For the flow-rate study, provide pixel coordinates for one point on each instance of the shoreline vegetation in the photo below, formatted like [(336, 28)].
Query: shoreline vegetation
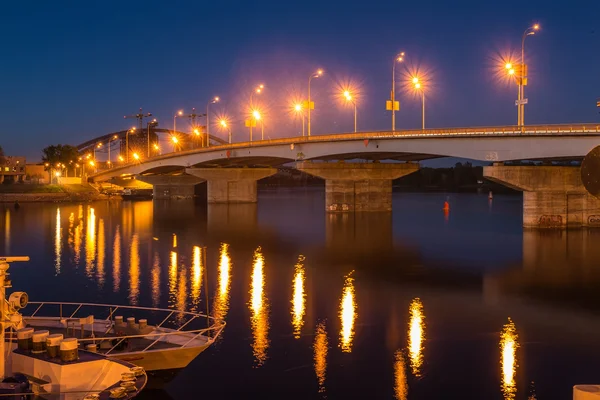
[(460, 178)]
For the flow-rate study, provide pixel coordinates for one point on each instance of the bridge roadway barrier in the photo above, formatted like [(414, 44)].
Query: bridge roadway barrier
[(231, 185), (553, 197), (171, 186), (351, 187)]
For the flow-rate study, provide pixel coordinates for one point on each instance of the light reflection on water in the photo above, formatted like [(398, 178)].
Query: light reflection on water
[(221, 302), (155, 280), (401, 384), (259, 309), (90, 242), (196, 276), (508, 359), (101, 254), (57, 241), (347, 315), (134, 270), (320, 354), (416, 336), (7, 231), (298, 298), (117, 259)]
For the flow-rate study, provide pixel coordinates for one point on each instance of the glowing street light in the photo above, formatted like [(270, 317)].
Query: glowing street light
[(392, 104), (258, 90), (311, 105), (418, 86), (213, 101), (523, 74), (299, 109), (127, 142), (223, 123), (349, 98), (115, 137), (157, 148), (136, 156), (257, 117)]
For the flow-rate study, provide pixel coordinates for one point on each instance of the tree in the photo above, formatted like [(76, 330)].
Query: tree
[(1, 155), (63, 156)]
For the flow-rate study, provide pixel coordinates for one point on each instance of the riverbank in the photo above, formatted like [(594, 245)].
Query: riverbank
[(28, 193)]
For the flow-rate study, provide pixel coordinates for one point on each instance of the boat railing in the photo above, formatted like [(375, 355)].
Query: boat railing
[(178, 328)]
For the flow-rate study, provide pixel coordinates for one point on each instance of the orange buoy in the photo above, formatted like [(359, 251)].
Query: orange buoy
[(446, 206)]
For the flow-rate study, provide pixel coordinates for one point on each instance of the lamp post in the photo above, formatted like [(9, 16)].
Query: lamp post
[(225, 125), (523, 74), (257, 117), (177, 114), (258, 90), (419, 87), (127, 142), (96, 147), (310, 105), (349, 98), (298, 109), (115, 137), (394, 105), (175, 142), (150, 124), (213, 101)]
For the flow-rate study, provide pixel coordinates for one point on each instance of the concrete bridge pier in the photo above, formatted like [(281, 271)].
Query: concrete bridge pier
[(353, 187), (171, 186), (553, 197), (231, 185)]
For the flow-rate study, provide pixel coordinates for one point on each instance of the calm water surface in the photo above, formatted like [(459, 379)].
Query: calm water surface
[(414, 305)]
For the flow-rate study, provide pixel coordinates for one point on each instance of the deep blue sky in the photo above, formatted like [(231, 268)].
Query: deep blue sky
[(71, 70)]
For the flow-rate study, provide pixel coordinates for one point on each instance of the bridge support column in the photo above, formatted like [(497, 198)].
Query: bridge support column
[(231, 185), (553, 197), (172, 186), (353, 187)]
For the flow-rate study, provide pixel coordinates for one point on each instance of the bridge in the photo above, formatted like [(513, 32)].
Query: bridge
[(553, 195)]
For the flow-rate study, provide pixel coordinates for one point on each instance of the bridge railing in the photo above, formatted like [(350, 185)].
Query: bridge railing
[(528, 130)]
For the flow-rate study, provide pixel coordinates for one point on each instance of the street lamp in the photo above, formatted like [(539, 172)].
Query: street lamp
[(257, 117), (523, 74), (175, 142), (310, 105), (150, 124), (213, 101), (157, 148), (95, 147), (177, 114), (115, 137), (127, 142), (299, 110), (223, 123), (392, 104), (419, 86), (349, 98), (136, 156), (258, 90)]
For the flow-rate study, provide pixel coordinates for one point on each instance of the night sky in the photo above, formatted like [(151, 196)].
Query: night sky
[(71, 70)]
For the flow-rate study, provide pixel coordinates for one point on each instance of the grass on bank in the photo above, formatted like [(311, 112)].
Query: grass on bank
[(30, 188)]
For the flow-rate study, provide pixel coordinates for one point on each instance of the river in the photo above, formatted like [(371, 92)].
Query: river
[(414, 305)]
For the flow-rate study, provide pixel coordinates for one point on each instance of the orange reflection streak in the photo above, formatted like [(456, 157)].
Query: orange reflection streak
[(101, 253), (347, 315), (196, 276), (134, 270), (7, 231), (90, 242), (155, 280), (57, 242), (508, 361), (77, 242), (222, 297), (298, 298), (71, 233), (182, 291), (416, 336), (117, 260), (259, 309), (320, 355), (401, 384), (173, 279), (174, 241)]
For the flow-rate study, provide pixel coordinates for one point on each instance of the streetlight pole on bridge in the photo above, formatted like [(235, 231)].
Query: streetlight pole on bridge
[(392, 104), (310, 105)]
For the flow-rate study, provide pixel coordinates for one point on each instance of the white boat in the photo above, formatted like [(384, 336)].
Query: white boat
[(123, 332), (35, 363)]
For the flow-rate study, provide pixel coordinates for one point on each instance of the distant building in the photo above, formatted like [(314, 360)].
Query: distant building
[(12, 169), (36, 173)]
